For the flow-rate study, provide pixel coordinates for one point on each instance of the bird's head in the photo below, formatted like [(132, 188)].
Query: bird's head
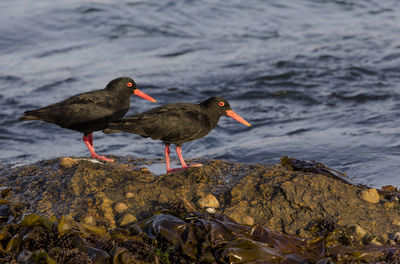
[(125, 86), (220, 106)]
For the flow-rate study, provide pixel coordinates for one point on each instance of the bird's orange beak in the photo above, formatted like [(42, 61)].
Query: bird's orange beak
[(143, 95), (237, 117)]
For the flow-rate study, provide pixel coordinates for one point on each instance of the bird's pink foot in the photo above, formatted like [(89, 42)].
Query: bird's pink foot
[(184, 168), (175, 170), (102, 158)]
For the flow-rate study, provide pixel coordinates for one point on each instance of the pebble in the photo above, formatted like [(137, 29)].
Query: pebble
[(109, 181), (208, 200), (389, 188), (359, 232), (248, 220), (396, 237), (370, 195), (120, 207), (211, 210), (89, 220), (145, 170), (253, 202), (396, 222), (127, 219), (129, 195), (375, 241), (66, 163)]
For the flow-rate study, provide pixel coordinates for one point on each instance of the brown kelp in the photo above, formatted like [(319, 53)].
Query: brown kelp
[(175, 235)]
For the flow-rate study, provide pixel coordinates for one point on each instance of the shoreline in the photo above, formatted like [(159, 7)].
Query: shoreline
[(295, 199)]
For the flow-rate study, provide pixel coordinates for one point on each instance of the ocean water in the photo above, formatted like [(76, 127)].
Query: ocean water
[(318, 80)]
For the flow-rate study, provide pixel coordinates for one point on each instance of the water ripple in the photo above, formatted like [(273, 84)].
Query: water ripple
[(317, 79)]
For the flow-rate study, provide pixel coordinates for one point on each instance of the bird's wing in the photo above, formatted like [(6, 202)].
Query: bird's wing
[(78, 109), (175, 123)]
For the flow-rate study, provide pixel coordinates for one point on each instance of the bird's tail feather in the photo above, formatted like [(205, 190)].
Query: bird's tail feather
[(111, 131), (123, 126), (28, 115)]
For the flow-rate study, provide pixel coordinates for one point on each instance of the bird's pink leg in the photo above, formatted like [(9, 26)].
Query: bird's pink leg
[(179, 152), (90, 136), (167, 151), (183, 163), (89, 144)]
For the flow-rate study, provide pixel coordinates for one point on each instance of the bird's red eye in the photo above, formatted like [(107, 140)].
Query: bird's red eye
[(221, 104), (129, 84)]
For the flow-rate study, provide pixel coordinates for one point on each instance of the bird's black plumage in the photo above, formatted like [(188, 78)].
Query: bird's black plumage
[(90, 111), (176, 123)]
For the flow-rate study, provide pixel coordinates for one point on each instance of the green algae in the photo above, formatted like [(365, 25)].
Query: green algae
[(42, 257), (67, 225), (37, 220)]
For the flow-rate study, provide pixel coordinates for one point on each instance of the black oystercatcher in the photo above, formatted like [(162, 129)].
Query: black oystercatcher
[(177, 123), (91, 111)]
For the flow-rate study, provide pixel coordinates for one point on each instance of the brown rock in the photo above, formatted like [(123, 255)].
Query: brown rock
[(358, 231), (127, 219), (370, 195), (211, 210), (238, 211), (66, 163), (129, 195), (109, 181), (208, 200), (375, 241), (389, 188), (248, 220), (396, 237), (145, 170), (89, 220), (278, 198), (120, 207), (396, 222)]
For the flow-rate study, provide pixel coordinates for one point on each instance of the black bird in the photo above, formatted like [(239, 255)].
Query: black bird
[(91, 111), (177, 123)]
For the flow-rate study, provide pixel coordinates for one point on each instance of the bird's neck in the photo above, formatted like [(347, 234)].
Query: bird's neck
[(212, 115), (123, 97)]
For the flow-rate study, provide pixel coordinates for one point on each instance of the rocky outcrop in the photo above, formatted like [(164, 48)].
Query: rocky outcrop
[(301, 203)]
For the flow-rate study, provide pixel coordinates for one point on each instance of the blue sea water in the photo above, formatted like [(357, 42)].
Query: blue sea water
[(318, 80)]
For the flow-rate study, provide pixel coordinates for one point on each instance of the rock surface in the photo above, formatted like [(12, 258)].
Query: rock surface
[(208, 200), (120, 207), (274, 196), (370, 195), (127, 219)]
